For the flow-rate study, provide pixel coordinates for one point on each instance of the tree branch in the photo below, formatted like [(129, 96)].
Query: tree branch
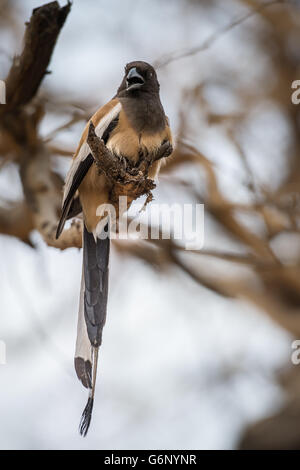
[(29, 69), (19, 125)]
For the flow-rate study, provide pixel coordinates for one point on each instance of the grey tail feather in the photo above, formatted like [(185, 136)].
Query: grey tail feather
[(96, 273), (86, 416)]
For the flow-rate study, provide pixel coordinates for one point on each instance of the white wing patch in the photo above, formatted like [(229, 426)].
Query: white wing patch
[(83, 345), (85, 149)]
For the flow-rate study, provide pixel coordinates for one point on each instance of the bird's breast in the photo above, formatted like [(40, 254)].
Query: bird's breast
[(126, 141), (129, 144)]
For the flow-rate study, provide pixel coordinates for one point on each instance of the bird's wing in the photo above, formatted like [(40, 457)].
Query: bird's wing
[(83, 158)]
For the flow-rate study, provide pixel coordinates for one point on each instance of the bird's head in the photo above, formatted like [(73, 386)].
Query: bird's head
[(140, 77)]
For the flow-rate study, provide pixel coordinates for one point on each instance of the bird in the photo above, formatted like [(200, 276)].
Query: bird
[(133, 121)]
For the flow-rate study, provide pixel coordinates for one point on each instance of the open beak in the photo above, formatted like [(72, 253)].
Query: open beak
[(134, 80)]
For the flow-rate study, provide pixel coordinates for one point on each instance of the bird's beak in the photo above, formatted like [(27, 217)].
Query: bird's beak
[(134, 80)]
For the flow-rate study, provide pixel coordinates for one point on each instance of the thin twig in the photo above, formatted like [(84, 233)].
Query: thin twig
[(208, 42)]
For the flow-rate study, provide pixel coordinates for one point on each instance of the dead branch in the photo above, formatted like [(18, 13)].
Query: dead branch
[(69, 238), (29, 69)]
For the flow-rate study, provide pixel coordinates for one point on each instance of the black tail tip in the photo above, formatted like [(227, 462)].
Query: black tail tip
[(86, 417)]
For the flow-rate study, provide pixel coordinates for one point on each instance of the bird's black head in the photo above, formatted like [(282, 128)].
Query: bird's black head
[(140, 77)]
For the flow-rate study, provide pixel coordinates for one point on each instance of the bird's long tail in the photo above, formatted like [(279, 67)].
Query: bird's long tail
[(92, 316)]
